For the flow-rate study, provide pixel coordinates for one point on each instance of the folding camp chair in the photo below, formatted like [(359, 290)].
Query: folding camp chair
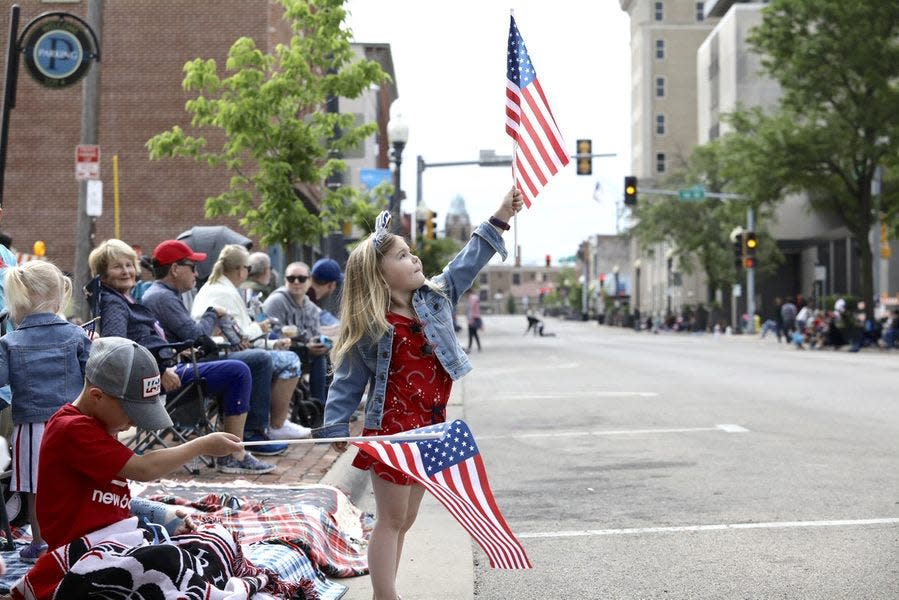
[(192, 410)]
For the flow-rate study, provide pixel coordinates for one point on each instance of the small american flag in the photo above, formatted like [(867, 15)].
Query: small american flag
[(452, 470), (539, 147)]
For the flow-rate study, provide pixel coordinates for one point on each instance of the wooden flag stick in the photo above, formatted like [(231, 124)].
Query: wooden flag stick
[(397, 437)]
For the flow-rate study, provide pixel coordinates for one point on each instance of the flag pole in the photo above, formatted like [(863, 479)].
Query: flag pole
[(397, 437)]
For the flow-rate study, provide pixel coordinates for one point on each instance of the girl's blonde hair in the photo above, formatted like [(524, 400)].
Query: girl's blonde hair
[(108, 252), (231, 258), (365, 298), (37, 286)]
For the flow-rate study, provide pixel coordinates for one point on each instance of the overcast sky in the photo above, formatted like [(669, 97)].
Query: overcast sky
[(450, 58)]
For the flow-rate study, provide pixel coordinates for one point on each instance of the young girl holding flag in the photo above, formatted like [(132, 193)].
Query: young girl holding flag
[(397, 338)]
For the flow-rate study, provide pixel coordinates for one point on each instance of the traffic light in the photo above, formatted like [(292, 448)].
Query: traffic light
[(630, 190), (430, 227), (738, 251), (751, 243), (584, 163), (549, 259)]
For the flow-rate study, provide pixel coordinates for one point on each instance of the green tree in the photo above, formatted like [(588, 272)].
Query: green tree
[(279, 144), (838, 66), (699, 231), (435, 254)]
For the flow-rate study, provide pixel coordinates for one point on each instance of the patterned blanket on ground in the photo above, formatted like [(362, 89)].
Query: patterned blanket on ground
[(314, 522), (205, 564), (288, 521)]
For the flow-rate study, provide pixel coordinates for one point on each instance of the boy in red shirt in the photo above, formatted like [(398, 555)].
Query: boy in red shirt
[(84, 469)]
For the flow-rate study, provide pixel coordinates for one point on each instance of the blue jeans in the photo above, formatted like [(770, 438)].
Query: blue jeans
[(260, 363), (318, 378), (230, 380)]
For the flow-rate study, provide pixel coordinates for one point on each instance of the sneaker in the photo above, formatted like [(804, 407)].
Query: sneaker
[(290, 431), (250, 465), (272, 449), (32, 552)]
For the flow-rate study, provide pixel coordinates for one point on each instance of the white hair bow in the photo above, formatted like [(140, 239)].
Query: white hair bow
[(382, 228)]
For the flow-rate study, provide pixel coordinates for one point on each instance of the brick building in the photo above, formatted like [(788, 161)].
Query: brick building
[(144, 44)]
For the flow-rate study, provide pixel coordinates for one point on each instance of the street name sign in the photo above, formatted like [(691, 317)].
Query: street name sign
[(697, 192)]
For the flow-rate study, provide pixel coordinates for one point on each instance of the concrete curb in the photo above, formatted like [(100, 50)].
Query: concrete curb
[(344, 476)]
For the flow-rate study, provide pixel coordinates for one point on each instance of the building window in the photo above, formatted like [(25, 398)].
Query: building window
[(700, 11), (660, 162), (714, 132), (483, 278), (660, 49), (533, 276), (660, 11), (660, 124), (516, 278), (660, 87), (482, 295)]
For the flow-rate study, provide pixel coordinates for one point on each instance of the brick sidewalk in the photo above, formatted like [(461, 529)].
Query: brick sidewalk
[(302, 463)]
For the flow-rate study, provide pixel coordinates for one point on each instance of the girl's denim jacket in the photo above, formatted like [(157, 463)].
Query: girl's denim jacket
[(43, 361), (367, 363)]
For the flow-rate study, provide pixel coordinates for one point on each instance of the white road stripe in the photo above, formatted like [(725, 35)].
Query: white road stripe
[(723, 527), (729, 428)]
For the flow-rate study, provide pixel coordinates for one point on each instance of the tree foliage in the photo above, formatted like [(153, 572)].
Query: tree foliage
[(838, 120), (280, 145), (436, 254), (699, 231)]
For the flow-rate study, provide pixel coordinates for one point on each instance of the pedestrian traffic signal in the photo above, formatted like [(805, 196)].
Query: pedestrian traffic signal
[(738, 251), (584, 157), (630, 190), (750, 242), (549, 259)]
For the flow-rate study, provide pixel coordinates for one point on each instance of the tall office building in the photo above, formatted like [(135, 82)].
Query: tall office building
[(665, 35)]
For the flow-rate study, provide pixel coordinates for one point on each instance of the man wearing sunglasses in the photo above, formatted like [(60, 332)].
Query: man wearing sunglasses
[(291, 306), (175, 266)]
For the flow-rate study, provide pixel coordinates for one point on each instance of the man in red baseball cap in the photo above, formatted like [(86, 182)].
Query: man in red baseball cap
[(175, 269), (173, 251)]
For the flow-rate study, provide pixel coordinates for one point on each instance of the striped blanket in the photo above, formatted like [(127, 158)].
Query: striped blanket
[(311, 522), (205, 564)]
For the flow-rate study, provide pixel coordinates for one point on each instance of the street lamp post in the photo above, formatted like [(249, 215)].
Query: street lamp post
[(398, 135)]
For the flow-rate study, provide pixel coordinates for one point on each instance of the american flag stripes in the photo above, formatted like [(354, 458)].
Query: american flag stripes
[(539, 148), (451, 469)]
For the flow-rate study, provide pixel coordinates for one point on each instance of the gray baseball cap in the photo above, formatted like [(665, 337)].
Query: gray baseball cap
[(127, 371)]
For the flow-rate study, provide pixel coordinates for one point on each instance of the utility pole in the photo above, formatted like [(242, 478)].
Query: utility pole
[(90, 113)]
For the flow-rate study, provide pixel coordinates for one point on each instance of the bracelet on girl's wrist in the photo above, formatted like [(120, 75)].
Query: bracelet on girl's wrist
[(500, 224)]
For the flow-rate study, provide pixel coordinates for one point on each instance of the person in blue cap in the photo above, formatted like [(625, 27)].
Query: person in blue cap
[(326, 276)]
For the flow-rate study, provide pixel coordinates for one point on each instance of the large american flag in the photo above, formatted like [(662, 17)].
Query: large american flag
[(452, 470), (539, 148)]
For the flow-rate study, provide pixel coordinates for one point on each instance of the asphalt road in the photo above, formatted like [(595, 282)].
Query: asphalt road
[(634, 465)]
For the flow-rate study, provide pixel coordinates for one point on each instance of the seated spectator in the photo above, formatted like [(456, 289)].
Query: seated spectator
[(174, 266), (222, 290), (260, 280), (115, 262), (290, 305), (326, 277)]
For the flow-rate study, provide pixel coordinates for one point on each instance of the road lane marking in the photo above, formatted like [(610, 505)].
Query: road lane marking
[(722, 527), (731, 428), (728, 428)]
